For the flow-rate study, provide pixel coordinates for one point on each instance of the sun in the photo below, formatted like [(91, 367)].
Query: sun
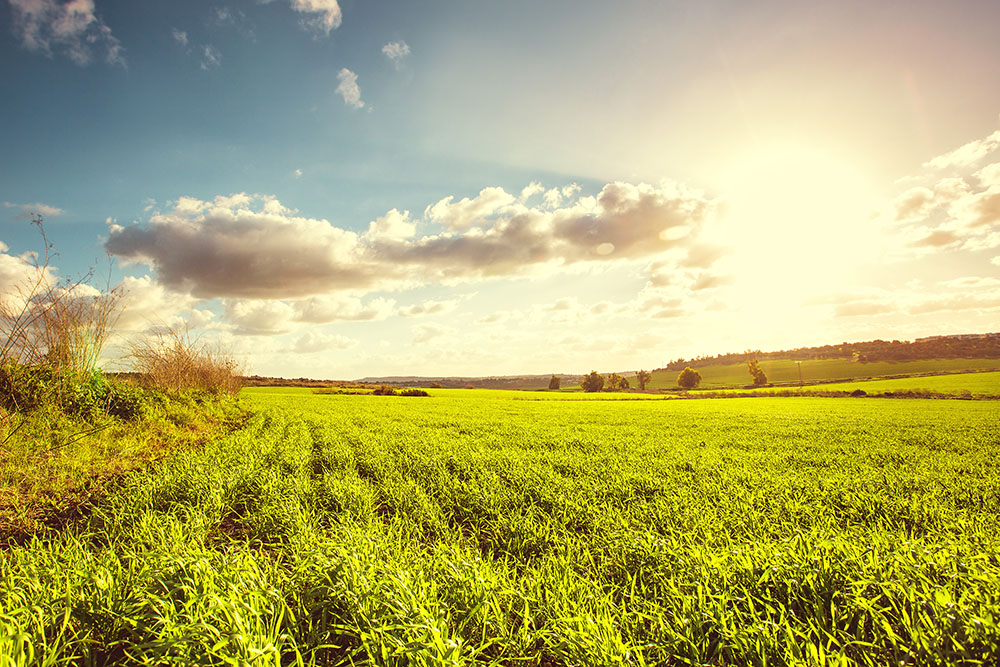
[(799, 224)]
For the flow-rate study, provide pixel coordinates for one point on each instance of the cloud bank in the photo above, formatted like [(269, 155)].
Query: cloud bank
[(252, 247)]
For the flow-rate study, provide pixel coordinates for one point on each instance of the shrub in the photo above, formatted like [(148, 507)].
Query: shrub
[(642, 378), (60, 324), (689, 378), (173, 362), (617, 383), (413, 392), (756, 372), (384, 390), (593, 382)]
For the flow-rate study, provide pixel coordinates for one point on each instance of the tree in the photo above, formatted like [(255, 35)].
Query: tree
[(689, 378), (617, 383), (554, 383), (592, 382), (759, 378), (643, 378)]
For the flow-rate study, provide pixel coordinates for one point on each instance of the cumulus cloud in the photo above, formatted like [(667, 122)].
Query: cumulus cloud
[(393, 226), (348, 88), (252, 247), (342, 308), (321, 15), (147, 305), (260, 316), (960, 211), (312, 342), (468, 212), (396, 52), (429, 308), (967, 154), (69, 28), (25, 211)]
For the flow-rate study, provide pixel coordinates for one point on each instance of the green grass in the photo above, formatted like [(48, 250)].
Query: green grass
[(959, 385), (61, 446), (977, 384), (473, 528), (786, 370)]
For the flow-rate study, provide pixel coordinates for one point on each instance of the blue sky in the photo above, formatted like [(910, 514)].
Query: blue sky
[(629, 182)]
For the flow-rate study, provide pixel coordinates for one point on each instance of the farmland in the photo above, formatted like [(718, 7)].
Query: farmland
[(473, 527), (820, 370)]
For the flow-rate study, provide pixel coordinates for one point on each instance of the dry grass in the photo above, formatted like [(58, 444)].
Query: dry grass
[(172, 361), (59, 324)]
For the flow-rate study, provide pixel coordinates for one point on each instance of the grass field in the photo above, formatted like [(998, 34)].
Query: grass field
[(977, 384), (472, 528), (816, 370), (974, 384)]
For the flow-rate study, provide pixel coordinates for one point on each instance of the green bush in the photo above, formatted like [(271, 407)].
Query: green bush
[(88, 396)]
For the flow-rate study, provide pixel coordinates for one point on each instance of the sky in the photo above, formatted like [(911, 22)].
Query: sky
[(346, 189)]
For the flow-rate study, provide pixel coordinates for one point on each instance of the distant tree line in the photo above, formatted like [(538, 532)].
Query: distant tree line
[(970, 346)]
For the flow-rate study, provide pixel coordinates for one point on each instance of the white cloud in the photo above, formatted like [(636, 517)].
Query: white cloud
[(147, 305), (312, 342), (323, 15), (469, 212), (250, 246), (342, 308), (429, 333), (995, 260), (966, 155), (297, 173), (71, 28), (530, 191), (960, 211), (25, 211), (429, 308), (348, 88), (260, 316), (393, 226), (396, 52), (210, 57), (180, 36)]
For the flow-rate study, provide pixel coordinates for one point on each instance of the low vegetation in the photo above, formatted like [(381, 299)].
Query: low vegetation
[(475, 530)]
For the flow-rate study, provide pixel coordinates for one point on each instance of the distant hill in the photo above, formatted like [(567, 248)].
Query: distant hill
[(826, 363), (958, 346), (483, 382)]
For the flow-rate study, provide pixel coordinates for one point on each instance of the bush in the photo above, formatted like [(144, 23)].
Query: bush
[(85, 395), (413, 392), (643, 378), (59, 324), (172, 362), (593, 382), (756, 372), (689, 378), (617, 383), (384, 390)]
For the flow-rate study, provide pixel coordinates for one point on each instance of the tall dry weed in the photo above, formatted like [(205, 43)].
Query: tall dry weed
[(171, 360), (60, 324)]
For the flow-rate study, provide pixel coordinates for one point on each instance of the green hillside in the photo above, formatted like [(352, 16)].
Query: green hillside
[(819, 370)]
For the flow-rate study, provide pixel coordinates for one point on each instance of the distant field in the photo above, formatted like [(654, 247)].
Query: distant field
[(978, 384), (784, 370), (981, 383), (485, 528)]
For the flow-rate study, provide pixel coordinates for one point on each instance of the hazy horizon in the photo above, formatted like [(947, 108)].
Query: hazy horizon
[(338, 190)]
